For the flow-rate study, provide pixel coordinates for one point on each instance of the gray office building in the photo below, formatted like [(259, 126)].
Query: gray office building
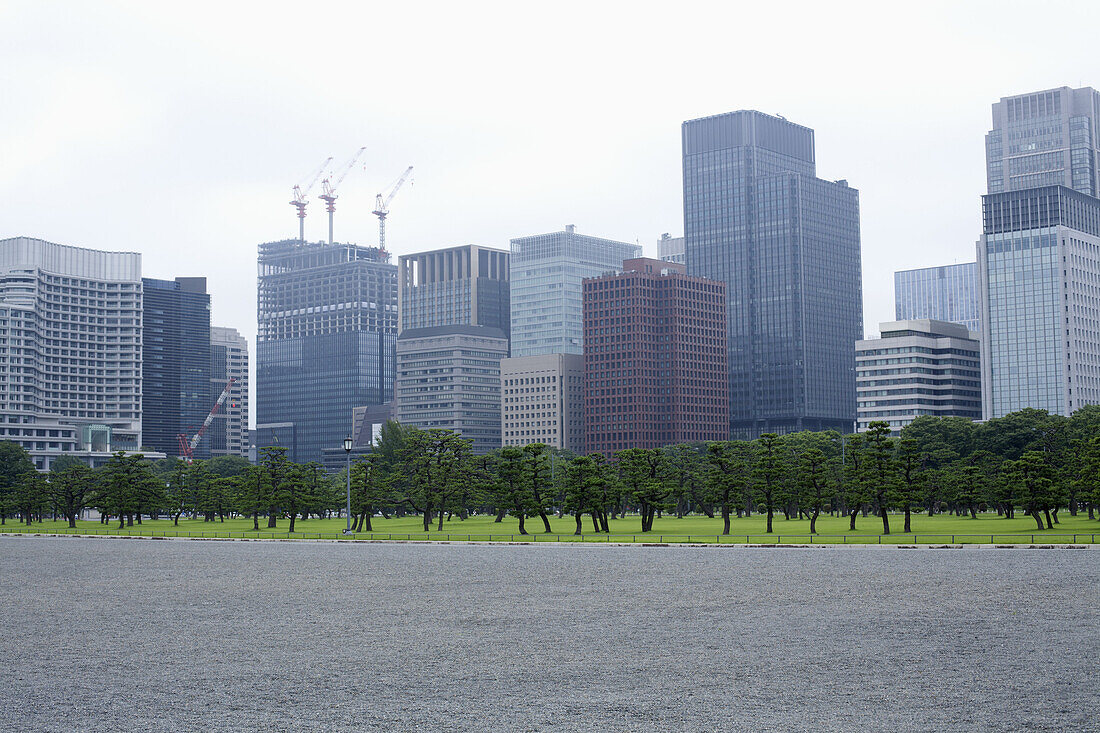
[(1048, 138), (547, 270), (918, 367), (454, 332), (228, 434), (947, 293), (670, 249), (326, 342), (70, 355), (786, 243)]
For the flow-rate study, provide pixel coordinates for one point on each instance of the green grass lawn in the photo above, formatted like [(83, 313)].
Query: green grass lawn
[(926, 530)]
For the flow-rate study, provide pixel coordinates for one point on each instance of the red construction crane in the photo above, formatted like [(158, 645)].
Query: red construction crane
[(382, 207), (329, 196), (187, 447), (299, 201)]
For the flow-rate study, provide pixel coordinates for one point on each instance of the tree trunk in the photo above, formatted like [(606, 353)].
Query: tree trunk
[(72, 521), (595, 522), (578, 517), (769, 520), (908, 528), (271, 518), (813, 521), (365, 523), (725, 519), (852, 519), (522, 530), (121, 521), (427, 520), (1038, 519), (292, 516), (256, 521), (1050, 525), (885, 519), (545, 522), (500, 515)]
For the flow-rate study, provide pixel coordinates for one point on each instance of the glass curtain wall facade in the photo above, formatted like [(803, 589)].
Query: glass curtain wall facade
[(70, 350), (948, 293), (1047, 138), (175, 369), (1039, 264), (458, 285), (787, 246), (326, 342), (547, 270)]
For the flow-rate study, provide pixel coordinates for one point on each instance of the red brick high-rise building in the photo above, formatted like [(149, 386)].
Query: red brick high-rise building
[(655, 360)]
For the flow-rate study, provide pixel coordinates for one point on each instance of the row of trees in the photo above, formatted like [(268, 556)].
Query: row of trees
[(1029, 461)]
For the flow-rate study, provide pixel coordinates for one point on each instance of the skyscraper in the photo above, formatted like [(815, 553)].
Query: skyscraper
[(1048, 138), (454, 332), (786, 243), (1039, 262), (70, 361), (670, 249), (1039, 254), (655, 358), (325, 343), (228, 434), (547, 270), (175, 366), (543, 401), (947, 293)]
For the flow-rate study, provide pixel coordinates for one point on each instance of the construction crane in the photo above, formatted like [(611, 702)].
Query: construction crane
[(329, 196), (299, 201), (382, 207), (187, 447)]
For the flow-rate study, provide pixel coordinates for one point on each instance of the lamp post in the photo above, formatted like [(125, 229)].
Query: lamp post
[(347, 452)]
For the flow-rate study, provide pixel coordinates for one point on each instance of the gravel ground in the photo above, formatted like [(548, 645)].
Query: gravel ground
[(177, 635)]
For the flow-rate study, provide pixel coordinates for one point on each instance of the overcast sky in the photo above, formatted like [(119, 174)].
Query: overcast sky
[(177, 130)]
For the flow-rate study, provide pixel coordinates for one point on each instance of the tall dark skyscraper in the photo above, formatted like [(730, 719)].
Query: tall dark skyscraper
[(325, 343), (175, 366), (786, 243)]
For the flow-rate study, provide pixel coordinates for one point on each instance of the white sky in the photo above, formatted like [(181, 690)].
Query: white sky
[(177, 130)]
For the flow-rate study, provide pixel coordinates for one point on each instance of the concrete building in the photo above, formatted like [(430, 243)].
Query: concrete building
[(786, 244), (1047, 138), (655, 358), (228, 434), (326, 342), (1039, 265), (947, 293), (542, 401), (917, 367), (175, 369), (670, 249), (547, 270), (465, 285), (448, 377), (367, 421), (70, 355)]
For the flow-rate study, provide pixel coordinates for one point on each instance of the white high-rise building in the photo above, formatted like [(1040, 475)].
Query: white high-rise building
[(228, 435), (70, 350)]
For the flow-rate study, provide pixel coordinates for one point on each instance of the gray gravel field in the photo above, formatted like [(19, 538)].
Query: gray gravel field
[(178, 636)]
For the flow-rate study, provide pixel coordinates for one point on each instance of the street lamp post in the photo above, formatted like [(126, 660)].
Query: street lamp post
[(347, 451)]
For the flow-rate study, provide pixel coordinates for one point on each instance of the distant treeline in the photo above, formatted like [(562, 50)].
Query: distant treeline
[(1030, 462)]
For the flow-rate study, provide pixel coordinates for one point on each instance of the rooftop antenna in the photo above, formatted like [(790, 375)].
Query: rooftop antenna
[(299, 201), (329, 196)]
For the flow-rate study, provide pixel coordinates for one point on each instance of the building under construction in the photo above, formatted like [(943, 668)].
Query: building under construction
[(326, 339)]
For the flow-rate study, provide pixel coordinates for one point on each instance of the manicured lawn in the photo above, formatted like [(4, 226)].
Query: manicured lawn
[(926, 530)]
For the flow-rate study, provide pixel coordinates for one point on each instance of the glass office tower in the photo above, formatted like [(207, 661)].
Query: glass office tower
[(1039, 261), (547, 270), (948, 293), (326, 342), (786, 244), (175, 367)]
